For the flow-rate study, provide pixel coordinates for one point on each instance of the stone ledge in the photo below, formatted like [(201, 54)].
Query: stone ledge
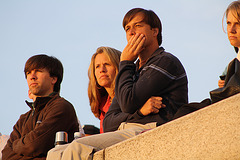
[(210, 133)]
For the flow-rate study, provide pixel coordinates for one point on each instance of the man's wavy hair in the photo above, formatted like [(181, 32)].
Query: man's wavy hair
[(150, 18), (52, 64)]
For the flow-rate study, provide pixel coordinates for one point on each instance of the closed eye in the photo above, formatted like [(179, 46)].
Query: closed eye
[(126, 29), (107, 64), (138, 25), (39, 70), (97, 66)]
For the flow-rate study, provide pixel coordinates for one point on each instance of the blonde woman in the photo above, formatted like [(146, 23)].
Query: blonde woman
[(233, 28), (102, 73), (233, 31)]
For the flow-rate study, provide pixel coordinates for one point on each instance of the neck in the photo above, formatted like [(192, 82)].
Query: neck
[(34, 97), (145, 55), (110, 92), (238, 55)]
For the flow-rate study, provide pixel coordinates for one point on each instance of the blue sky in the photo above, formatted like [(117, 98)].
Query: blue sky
[(72, 30)]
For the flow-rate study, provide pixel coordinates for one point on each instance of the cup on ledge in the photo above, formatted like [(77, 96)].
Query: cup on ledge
[(77, 135), (61, 138)]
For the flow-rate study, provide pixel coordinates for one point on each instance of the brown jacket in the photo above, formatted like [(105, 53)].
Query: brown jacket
[(34, 133)]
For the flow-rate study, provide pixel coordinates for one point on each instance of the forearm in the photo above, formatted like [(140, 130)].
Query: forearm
[(114, 117), (132, 94), (9, 154), (34, 143), (124, 89), (41, 139)]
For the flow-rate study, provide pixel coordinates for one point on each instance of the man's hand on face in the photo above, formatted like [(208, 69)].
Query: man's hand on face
[(133, 48)]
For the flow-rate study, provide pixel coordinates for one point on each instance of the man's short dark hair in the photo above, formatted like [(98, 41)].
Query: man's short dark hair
[(150, 18), (52, 64)]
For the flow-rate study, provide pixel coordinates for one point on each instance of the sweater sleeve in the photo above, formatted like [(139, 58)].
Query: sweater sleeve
[(153, 81), (114, 117), (60, 116), (7, 152)]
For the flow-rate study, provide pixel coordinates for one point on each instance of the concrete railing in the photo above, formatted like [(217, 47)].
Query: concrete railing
[(211, 133)]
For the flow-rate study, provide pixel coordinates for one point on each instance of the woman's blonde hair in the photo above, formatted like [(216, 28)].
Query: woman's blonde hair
[(234, 7), (96, 93)]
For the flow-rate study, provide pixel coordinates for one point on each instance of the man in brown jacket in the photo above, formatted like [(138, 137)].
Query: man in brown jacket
[(34, 133)]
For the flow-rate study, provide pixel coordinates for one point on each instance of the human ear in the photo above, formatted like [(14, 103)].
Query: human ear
[(54, 80), (155, 31)]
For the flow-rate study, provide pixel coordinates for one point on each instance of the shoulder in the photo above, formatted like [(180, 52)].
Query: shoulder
[(59, 107), (59, 103), (163, 58), (166, 62), (24, 115), (22, 120), (166, 57)]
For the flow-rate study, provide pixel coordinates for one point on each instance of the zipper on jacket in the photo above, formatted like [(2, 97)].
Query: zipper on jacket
[(33, 109)]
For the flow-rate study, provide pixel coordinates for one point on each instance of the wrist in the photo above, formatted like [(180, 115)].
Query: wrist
[(140, 113)]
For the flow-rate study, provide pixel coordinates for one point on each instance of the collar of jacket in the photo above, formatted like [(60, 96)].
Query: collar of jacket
[(40, 102), (157, 52)]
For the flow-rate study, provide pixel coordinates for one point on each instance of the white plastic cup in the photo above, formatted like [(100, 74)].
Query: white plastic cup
[(77, 135)]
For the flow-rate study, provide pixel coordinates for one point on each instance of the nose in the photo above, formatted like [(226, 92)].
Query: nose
[(32, 75), (132, 31), (103, 69), (232, 29)]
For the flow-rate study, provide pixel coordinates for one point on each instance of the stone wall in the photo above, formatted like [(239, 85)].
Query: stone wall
[(210, 133)]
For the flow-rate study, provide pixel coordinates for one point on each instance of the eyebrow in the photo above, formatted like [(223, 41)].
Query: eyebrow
[(232, 21), (142, 21)]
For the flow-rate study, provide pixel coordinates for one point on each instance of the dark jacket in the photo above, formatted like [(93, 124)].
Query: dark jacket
[(163, 75), (34, 133)]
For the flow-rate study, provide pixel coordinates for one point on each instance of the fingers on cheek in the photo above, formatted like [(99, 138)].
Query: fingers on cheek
[(132, 49), (131, 38)]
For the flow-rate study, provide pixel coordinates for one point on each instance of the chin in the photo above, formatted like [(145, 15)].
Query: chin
[(106, 86), (235, 44)]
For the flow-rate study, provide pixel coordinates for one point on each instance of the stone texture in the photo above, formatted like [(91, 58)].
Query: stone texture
[(210, 133), (99, 155)]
